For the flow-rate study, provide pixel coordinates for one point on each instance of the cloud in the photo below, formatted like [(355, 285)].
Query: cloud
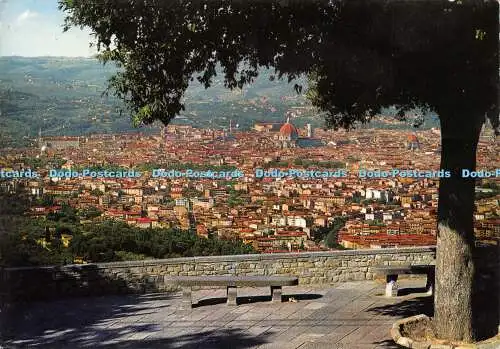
[(26, 15), (32, 33)]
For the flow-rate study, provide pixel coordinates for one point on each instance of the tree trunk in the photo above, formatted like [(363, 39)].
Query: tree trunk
[(455, 241)]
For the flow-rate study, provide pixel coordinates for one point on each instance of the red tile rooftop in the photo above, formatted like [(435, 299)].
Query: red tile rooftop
[(145, 220), (118, 212), (284, 235)]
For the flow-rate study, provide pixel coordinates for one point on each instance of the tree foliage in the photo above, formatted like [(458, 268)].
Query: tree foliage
[(38, 242), (102, 241), (329, 234), (361, 56)]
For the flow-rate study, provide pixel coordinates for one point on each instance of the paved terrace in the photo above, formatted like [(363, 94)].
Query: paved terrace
[(346, 315)]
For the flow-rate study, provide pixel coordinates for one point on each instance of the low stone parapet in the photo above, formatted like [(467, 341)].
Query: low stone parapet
[(52, 282)]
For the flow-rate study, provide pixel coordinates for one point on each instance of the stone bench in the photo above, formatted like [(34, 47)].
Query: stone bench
[(391, 273), (231, 283)]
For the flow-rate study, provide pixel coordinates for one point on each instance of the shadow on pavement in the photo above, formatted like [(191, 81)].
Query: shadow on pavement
[(220, 339), (255, 299), (99, 322), (407, 307), (36, 323), (387, 344), (410, 290)]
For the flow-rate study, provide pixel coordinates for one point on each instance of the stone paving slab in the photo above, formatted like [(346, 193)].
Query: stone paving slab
[(349, 315)]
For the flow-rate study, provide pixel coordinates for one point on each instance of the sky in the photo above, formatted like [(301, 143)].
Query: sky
[(33, 28)]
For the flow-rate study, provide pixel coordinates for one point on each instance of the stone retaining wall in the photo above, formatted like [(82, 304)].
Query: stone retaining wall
[(141, 276)]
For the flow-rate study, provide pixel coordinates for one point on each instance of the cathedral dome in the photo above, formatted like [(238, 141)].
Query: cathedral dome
[(288, 130), (412, 138)]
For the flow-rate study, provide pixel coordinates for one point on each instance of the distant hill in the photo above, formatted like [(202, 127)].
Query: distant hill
[(63, 96)]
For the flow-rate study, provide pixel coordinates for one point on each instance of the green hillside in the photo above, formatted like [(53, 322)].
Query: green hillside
[(63, 96)]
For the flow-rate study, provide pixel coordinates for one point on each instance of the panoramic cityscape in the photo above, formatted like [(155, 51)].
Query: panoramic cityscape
[(304, 190), (249, 175)]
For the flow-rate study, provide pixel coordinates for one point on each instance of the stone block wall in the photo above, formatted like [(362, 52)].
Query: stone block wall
[(147, 276)]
